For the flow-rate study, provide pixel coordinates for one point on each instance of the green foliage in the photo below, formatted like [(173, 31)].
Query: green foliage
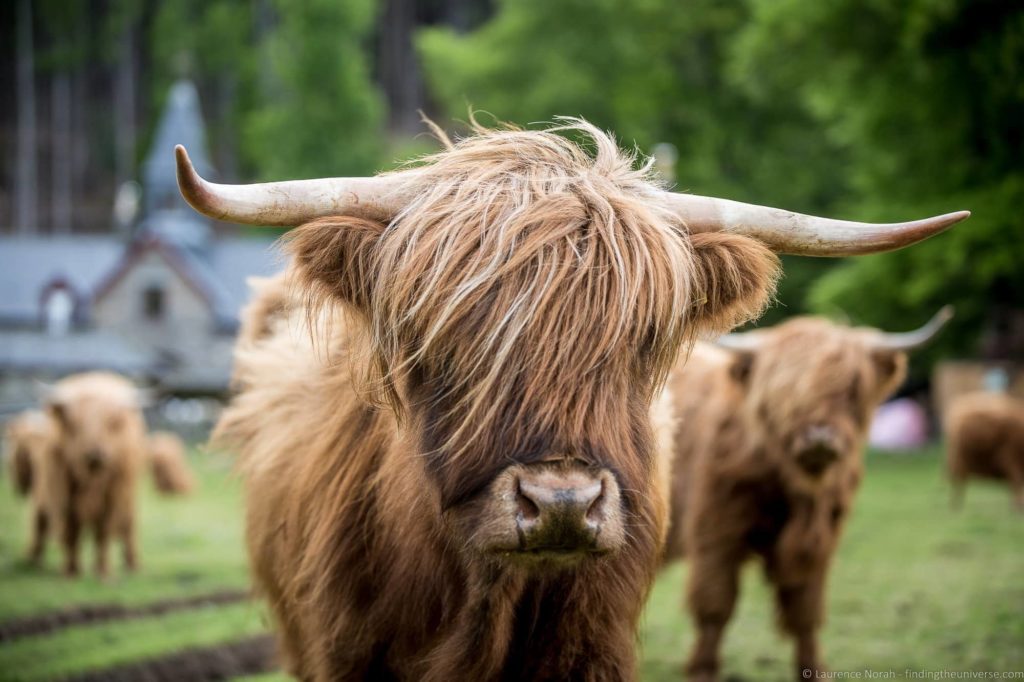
[(926, 101), (285, 95), (320, 116)]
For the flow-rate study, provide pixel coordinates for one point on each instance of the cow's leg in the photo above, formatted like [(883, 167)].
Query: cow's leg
[(71, 539), (101, 532), (713, 589), (40, 529), (800, 615), (129, 543)]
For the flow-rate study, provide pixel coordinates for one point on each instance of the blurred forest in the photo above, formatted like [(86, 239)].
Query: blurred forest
[(859, 109)]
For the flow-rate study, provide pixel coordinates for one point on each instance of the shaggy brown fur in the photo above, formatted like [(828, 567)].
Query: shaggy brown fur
[(31, 443), (985, 439), (753, 474), (169, 464), (519, 315), (98, 444), (25, 436)]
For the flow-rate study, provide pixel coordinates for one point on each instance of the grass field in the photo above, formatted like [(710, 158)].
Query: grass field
[(915, 587)]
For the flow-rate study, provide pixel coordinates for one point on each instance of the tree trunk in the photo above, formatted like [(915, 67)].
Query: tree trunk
[(25, 179), (124, 108), (61, 150)]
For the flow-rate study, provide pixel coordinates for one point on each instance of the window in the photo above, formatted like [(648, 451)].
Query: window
[(153, 303), (60, 306)]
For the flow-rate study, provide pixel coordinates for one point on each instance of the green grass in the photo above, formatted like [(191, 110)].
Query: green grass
[(915, 586), (187, 546), (85, 648)]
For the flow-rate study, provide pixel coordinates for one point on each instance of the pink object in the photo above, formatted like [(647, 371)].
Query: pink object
[(899, 425)]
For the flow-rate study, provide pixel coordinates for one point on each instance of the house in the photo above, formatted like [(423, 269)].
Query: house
[(160, 305)]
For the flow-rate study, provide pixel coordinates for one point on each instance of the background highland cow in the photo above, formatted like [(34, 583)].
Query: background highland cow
[(98, 449), (168, 463), (985, 439), (768, 459)]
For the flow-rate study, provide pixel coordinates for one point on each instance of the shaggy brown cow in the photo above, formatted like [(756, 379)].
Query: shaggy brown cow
[(99, 445), (985, 439), (31, 441), (168, 464), (446, 430), (767, 462), (24, 437)]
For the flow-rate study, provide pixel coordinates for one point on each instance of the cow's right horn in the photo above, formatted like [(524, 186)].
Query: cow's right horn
[(802, 235), (916, 338), (295, 201)]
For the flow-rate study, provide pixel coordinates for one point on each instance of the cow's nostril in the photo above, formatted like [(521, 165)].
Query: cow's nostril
[(595, 513), (528, 509)]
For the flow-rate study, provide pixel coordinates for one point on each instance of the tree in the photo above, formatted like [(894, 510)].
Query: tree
[(321, 115), (925, 101)]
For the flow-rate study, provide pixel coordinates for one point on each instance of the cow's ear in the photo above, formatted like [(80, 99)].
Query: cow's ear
[(734, 279), (335, 256), (741, 366), (59, 412), (890, 370)]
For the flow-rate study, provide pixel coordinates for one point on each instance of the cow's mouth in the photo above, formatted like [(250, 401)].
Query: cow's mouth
[(817, 458), (550, 554)]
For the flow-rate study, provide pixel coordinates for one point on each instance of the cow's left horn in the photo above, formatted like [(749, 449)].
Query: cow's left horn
[(918, 337), (293, 202), (802, 235)]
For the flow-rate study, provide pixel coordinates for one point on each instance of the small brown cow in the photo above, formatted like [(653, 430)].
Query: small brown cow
[(452, 450), (31, 446), (88, 483), (985, 439), (25, 436), (168, 464), (768, 459)]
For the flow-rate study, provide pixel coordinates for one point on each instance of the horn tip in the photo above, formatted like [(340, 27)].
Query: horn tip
[(189, 182), (958, 216)]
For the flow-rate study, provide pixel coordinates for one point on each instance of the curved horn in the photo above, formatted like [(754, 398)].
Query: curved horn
[(293, 202), (748, 341), (918, 337), (803, 235)]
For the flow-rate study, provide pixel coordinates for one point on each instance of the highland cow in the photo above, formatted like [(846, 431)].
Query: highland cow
[(31, 445), (985, 439), (98, 447), (453, 455), (168, 464), (767, 463), (24, 437)]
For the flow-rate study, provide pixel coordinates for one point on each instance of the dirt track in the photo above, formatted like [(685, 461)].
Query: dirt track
[(244, 657), (52, 621)]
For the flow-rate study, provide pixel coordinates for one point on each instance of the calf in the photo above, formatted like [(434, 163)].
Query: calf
[(98, 445)]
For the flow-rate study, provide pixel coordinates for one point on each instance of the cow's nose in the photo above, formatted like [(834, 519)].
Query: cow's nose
[(819, 448), (561, 511), (94, 461)]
